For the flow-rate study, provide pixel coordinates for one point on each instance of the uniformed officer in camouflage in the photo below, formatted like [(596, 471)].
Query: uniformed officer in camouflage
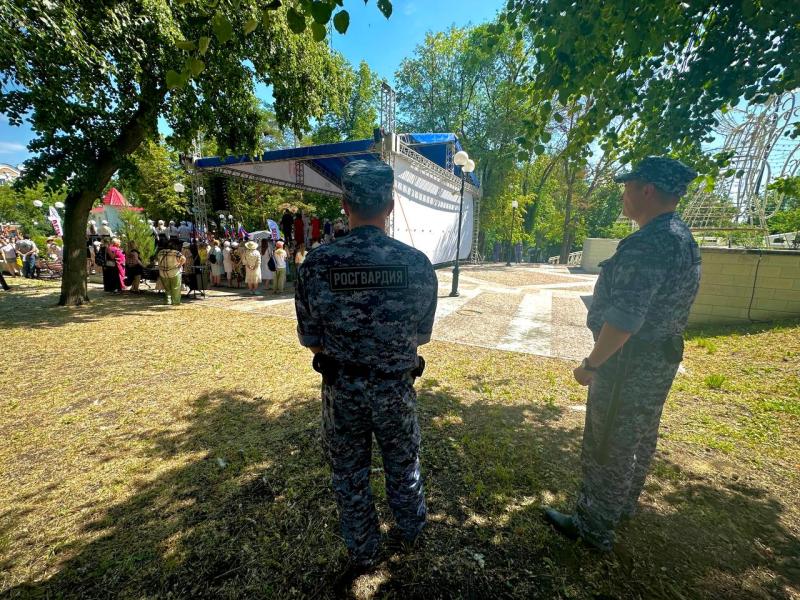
[(639, 312), (364, 304)]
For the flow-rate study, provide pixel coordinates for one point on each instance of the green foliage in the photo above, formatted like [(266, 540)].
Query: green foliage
[(616, 231), (134, 228), (355, 113), (706, 343), (16, 206), (674, 76), (784, 221), (148, 180), (253, 203), (93, 78)]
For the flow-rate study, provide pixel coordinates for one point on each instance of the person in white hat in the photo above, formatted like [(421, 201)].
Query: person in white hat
[(106, 230), (251, 259), (227, 261), (280, 267)]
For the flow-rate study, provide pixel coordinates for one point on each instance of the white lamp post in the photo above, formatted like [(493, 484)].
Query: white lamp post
[(59, 205), (179, 187), (38, 203), (467, 165), (514, 205)]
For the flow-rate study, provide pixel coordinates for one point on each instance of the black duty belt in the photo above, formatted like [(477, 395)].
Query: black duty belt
[(331, 369)]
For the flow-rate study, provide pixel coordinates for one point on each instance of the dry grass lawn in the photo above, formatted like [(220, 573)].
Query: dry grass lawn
[(150, 452)]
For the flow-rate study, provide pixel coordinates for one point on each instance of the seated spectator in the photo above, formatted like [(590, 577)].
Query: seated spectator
[(134, 268)]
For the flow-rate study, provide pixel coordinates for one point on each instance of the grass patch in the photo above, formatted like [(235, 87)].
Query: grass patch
[(175, 453), (715, 381), (706, 343)]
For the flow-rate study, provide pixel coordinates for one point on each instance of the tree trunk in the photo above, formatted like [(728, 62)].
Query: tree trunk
[(73, 282)]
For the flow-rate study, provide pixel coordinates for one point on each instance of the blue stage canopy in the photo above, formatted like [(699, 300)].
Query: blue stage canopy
[(330, 159)]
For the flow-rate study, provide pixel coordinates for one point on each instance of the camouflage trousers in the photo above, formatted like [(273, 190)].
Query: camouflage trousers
[(611, 490), (353, 409)]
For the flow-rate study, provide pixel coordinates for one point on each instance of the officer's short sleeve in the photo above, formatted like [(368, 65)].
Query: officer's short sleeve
[(425, 328), (639, 271), (309, 328)]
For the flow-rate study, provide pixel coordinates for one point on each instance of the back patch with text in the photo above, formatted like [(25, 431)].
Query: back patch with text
[(388, 277)]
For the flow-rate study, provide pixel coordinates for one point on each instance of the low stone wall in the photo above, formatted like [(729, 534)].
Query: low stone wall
[(740, 285), (596, 250), (737, 286)]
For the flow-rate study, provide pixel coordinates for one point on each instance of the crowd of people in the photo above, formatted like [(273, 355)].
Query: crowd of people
[(189, 258), (20, 256), (185, 257)]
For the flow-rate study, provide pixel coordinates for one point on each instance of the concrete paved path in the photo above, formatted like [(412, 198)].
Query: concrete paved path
[(534, 309)]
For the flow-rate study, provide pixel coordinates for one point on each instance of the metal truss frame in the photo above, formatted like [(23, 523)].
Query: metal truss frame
[(236, 174), (388, 102), (435, 170)]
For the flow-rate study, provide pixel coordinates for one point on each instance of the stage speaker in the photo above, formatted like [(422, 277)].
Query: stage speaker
[(219, 195)]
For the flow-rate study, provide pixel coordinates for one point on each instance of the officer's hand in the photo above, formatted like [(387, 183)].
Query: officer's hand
[(583, 376)]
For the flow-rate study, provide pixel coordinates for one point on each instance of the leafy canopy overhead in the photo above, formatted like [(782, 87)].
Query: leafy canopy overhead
[(93, 77), (670, 65)]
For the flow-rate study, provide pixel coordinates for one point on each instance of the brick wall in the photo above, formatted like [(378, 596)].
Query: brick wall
[(732, 276)]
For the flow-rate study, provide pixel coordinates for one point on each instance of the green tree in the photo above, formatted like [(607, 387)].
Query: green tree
[(356, 113), (148, 180), (134, 228), (672, 65), (94, 77), (16, 206)]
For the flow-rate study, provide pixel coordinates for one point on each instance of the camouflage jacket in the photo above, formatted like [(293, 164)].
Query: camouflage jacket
[(366, 299), (649, 285)]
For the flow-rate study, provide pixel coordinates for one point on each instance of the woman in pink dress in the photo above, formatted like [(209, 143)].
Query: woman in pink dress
[(115, 254)]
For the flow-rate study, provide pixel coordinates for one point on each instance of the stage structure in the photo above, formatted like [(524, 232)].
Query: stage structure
[(426, 191), (762, 151)]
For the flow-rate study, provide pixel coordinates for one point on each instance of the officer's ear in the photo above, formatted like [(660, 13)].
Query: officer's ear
[(389, 207)]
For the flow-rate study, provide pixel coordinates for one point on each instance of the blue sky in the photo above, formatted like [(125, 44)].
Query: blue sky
[(382, 43)]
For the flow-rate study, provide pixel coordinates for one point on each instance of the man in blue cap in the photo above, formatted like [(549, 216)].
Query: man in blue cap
[(364, 304), (638, 314)]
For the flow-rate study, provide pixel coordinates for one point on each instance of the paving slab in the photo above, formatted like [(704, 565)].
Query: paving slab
[(533, 309)]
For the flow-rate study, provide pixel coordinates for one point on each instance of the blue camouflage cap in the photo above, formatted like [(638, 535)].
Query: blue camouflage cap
[(367, 185), (667, 174)]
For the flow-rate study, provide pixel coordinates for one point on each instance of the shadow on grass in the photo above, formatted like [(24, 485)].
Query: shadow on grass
[(249, 513), (29, 307)]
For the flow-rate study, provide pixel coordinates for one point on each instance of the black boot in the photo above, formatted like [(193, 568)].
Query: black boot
[(562, 523)]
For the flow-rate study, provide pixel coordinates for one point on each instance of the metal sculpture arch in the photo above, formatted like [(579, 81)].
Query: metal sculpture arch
[(757, 137)]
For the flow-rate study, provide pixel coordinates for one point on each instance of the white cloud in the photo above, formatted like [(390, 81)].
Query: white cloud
[(11, 148), (409, 9)]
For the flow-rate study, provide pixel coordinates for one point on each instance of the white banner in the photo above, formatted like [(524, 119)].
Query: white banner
[(426, 213), (55, 220)]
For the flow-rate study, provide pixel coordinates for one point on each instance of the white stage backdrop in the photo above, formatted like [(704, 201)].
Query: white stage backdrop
[(426, 213)]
